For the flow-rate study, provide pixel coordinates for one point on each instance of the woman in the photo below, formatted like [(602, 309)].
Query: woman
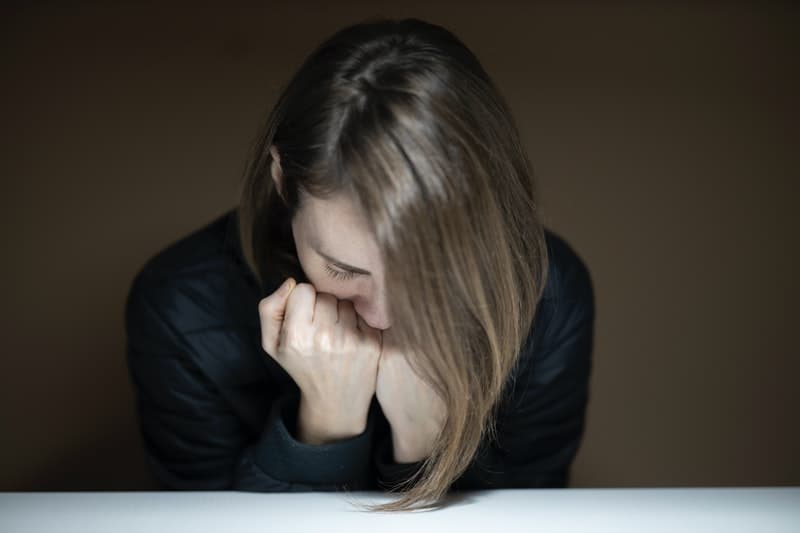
[(384, 308)]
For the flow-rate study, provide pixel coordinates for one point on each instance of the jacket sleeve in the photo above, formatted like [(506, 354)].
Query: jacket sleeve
[(192, 439)]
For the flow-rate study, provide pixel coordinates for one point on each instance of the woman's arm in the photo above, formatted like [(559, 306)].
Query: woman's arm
[(192, 439)]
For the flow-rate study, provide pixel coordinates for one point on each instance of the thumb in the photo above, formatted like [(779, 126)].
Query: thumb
[(272, 310)]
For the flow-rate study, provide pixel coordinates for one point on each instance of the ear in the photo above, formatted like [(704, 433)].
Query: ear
[(276, 170)]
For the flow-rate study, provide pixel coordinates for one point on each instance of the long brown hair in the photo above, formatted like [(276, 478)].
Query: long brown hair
[(401, 116)]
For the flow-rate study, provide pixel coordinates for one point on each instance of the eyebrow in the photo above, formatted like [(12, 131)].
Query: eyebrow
[(340, 264)]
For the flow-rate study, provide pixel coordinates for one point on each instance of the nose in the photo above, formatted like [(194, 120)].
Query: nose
[(377, 325), (377, 320)]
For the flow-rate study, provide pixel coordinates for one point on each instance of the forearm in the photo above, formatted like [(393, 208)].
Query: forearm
[(316, 426)]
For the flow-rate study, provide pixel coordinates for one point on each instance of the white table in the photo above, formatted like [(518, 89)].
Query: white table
[(645, 510)]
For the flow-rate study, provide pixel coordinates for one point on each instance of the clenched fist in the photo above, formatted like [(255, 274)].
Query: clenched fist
[(329, 351)]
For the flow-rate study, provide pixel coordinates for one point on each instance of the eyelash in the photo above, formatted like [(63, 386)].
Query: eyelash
[(338, 274)]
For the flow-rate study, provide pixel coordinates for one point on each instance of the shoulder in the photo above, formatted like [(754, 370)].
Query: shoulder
[(555, 359), (568, 276), (192, 280), (189, 255), (562, 329)]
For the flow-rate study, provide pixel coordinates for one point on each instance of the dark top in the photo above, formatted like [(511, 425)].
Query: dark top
[(217, 412)]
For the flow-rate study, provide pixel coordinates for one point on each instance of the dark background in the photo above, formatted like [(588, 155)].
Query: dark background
[(665, 142)]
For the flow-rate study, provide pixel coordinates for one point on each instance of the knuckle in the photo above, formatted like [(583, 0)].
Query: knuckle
[(363, 343), (288, 339), (325, 339), (350, 344), (303, 288), (326, 297)]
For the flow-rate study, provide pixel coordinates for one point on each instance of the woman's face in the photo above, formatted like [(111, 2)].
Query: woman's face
[(339, 255)]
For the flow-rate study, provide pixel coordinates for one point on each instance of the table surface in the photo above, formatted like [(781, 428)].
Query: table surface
[(673, 510)]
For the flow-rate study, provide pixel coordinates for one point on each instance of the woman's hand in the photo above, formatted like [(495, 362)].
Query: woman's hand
[(329, 351), (413, 409)]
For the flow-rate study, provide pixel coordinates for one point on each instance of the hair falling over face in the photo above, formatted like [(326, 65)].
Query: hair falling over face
[(400, 115)]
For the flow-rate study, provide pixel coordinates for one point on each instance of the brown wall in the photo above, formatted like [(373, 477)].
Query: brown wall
[(665, 141)]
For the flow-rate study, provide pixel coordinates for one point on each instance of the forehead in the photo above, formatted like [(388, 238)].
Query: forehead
[(333, 214), (337, 226)]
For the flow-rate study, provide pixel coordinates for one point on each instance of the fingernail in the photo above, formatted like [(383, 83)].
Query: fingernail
[(287, 285)]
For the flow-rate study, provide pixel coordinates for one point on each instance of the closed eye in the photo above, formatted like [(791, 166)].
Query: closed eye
[(339, 264), (339, 274)]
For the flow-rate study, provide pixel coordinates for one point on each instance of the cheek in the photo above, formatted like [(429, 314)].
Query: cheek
[(314, 269), (315, 272), (322, 282), (343, 290)]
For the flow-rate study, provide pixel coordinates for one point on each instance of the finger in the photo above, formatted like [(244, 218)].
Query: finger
[(326, 310), (367, 330), (347, 314), (387, 335), (300, 306), (271, 312)]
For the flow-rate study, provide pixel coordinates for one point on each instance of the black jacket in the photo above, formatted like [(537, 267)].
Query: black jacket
[(216, 412)]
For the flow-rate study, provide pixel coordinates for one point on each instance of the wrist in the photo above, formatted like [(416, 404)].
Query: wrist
[(317, 426)]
